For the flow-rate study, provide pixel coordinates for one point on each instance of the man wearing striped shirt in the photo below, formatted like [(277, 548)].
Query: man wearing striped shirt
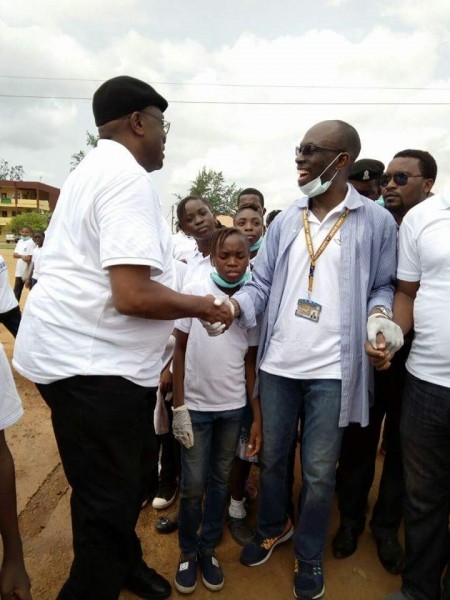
[(328, 262)]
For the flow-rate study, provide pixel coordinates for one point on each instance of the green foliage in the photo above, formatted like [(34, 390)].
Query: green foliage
[(211, 186), (11, 172), (77, 157), (34, 220)]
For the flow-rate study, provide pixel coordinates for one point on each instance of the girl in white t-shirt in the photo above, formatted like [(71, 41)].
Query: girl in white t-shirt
[(249, 220), (213, 378), (196, 219)]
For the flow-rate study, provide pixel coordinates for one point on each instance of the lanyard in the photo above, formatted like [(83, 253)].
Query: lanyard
[(323, 245)]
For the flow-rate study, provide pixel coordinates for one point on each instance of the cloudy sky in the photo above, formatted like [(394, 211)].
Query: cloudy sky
[(244, 78)]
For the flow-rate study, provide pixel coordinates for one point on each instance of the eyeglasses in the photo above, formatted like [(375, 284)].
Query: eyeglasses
[(309, 149), (400, 178), (165, 124)]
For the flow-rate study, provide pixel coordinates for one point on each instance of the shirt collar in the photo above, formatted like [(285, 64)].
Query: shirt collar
[(352, 199)]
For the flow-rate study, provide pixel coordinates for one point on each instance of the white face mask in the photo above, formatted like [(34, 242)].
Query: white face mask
[(316, 187)]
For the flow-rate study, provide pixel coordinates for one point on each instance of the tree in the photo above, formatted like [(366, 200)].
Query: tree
[(91, 141), (11, 173), (34, 220), (211, 186)]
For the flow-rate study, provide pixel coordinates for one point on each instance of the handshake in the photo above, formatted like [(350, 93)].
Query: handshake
[(218, 322)]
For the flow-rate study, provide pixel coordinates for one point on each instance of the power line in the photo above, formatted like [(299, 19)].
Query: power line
[(242, 85), (243, 102)]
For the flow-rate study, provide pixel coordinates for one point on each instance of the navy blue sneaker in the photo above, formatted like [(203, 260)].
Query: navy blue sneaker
[(212, 574), (186, 577), (308, 581), (260, 549)]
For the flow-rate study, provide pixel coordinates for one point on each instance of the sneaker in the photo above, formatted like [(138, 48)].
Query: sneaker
[(165, 496), (212, 574), (240, 531), (308, 580), (260, 549), (186, 578)]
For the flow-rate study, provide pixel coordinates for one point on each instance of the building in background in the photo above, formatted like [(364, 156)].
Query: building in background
[(18, 197)]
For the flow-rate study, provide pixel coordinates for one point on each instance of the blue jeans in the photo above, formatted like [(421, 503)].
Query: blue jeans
[(205, 470), (282, 401), (425, 433)]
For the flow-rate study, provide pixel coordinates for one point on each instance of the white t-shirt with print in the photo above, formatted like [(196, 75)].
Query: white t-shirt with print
[(25, 248), (10, 404), (7, 299), (214, 378), (424, 255), (108, 213)]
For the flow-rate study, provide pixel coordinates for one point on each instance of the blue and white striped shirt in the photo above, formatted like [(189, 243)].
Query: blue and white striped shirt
[(367, 273)]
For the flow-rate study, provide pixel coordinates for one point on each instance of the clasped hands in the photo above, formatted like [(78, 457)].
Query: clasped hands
[(384, 338), (217, 325)]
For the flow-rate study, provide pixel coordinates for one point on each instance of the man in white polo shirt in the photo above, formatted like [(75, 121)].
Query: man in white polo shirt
[(422, 302), (94, 331)]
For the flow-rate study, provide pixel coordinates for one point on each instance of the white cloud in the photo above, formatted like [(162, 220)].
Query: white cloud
[(251, 144), (434, 15)]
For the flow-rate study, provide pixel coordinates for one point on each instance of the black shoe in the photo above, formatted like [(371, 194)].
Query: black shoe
[(240, 531), (390, 554), (146, 583), (167, 524), (345, 541), (165, 496)]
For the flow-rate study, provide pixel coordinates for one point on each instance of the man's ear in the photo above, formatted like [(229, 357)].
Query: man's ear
[(427, 186), (342, 161), (136, 122)]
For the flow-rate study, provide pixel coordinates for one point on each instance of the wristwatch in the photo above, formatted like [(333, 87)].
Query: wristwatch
[(384, 311)]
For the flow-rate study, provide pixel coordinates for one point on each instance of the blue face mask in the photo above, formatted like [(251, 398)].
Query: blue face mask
[(221, 282), (256, 245), (380, 201), (316, 187), (25, 238)]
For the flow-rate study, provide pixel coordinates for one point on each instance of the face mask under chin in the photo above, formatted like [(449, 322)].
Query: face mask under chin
[(316, 187)]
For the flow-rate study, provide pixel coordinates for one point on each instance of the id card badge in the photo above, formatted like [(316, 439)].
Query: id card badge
[(307, 309)]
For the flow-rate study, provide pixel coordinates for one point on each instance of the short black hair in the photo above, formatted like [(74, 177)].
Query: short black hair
[(219, 237), (271, 216), (181, 207), (39, 232), (251, 206), (428, 166), (252, 191)]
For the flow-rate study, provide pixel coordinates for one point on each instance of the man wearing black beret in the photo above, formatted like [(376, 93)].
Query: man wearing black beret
[(100, 320), (365, 178)]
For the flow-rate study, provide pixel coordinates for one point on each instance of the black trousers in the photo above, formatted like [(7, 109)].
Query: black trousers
[(19, 284), (104, 430), (11, 320), (358, 455)]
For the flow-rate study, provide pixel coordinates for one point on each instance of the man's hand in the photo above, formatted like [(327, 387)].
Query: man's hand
[(165, 381), (380, 358), (182, 426), (392, 334), (255, 439), (14, 581), (217, 327)]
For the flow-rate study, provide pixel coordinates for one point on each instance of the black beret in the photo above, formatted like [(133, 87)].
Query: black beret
[(123, 95), (366, 169)]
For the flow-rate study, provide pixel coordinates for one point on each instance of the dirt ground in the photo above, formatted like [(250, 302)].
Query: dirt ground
[(43, 506)]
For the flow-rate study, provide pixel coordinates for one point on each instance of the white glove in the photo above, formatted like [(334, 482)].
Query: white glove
[(214, 329), (182, 426), (392, 333)]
